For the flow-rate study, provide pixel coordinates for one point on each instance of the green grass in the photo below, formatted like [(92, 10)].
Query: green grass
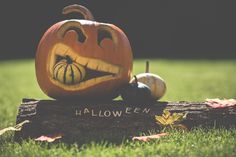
[(191, 80)]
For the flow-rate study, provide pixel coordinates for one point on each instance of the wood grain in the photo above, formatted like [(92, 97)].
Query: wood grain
[(113, 121)]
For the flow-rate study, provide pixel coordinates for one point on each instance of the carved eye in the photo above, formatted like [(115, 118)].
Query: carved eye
[(102, 34), (81, 36)]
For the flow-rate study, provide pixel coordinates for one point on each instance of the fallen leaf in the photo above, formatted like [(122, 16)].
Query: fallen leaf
[(49, 138), (217, 103), (18, 127), (148, 138), (169, 119)]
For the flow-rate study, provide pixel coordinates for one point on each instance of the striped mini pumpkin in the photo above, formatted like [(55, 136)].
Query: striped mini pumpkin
[(68, 73)]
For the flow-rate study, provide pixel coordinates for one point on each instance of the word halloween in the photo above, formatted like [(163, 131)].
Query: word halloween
[(103, 113)]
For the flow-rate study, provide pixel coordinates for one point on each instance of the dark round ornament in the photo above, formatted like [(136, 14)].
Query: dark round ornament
[(136, 92)]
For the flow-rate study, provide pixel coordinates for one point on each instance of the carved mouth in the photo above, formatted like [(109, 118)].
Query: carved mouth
[(97, 70)]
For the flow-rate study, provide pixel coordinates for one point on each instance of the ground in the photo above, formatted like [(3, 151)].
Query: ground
[(191, 80)]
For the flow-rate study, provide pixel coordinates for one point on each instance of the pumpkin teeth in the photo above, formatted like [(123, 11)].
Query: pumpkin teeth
[(81, 60), (96, 70), (91, 63), (101, 66)]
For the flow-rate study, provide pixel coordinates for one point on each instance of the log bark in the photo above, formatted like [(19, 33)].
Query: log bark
[(113, 121)]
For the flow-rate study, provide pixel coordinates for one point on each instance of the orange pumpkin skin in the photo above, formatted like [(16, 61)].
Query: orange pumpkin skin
[(114, 53)]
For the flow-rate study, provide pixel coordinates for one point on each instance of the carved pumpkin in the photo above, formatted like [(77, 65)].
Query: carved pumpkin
[(83, 58), (156, 84)]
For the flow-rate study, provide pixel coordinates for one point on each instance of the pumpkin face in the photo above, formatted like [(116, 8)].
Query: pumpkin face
[(83, 58)]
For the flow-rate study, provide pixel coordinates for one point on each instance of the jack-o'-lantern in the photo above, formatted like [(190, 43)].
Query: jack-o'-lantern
[(83, 58)]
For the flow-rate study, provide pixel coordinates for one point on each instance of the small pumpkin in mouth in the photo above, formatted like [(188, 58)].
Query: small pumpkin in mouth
[(83, 58), (68, 72)]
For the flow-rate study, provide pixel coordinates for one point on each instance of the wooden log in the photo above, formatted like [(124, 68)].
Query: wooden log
[(113, 121)]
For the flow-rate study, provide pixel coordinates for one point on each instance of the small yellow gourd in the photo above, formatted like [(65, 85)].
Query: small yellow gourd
[(69, 73)]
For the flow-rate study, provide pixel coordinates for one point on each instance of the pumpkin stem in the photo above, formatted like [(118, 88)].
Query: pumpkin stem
[(68, 60), (79, 9), (136, 79), (147, 66)]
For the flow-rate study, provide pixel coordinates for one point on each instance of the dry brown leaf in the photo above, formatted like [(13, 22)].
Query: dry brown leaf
[(217, 103), (148, 138), (49, 138)]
